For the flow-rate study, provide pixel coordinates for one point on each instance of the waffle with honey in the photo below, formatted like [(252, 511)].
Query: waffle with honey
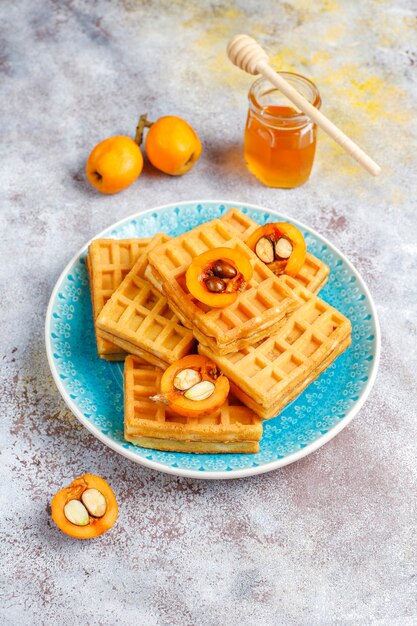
[(256, 313), (234, 428), (108, 262), (268, 375), (314, 272), (137, 318)]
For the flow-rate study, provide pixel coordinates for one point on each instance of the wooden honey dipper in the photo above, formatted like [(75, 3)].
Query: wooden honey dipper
[(247, 54)]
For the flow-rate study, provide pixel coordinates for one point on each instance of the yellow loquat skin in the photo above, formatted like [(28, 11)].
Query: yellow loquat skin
[(172, 145), (114, 164)]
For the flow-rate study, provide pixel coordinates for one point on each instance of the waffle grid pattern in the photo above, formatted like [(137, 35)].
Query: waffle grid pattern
[(269, 370), (108, 262), (137, 313)]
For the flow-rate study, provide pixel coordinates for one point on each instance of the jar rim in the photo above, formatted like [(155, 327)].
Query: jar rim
[(313, 96)]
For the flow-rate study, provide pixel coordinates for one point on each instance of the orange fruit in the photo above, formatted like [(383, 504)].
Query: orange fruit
[(92, 507), (114, 164), (172, 145)]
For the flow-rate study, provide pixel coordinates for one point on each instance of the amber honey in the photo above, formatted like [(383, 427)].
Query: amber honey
[(280, 142)]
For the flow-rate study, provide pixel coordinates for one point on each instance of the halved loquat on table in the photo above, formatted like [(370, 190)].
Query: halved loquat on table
[(86, 508)]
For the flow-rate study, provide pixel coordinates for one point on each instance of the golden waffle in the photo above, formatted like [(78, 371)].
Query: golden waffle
[(270, 374), (259, 309), (108, 262), (138, 319), (234, 344), (313, 274), (233, 428), (267, 413)]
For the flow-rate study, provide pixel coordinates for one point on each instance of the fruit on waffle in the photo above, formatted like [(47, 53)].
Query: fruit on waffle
[(268, 375), (233, 428), (258, 310), (108, 262), (193, 386), (138, 319), (313, 272)]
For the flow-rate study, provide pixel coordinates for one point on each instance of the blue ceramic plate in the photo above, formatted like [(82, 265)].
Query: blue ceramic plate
[(93, 388)]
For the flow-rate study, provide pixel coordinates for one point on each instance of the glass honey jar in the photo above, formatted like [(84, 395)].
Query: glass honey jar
[(280, 141)]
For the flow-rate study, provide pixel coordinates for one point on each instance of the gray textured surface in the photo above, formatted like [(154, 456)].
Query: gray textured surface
[(330, 540)]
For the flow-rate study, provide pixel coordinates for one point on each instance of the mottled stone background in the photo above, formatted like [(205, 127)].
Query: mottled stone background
[(330, 540)]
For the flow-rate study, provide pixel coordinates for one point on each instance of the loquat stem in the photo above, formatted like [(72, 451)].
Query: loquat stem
[(142, 124)]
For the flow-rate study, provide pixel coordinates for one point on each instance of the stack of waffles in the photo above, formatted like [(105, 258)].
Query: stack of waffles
[(136, 317), (275, 339), (232, 428), (108, 262), (257, 313)]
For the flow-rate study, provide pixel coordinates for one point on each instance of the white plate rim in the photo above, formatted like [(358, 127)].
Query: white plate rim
[(221, 474)]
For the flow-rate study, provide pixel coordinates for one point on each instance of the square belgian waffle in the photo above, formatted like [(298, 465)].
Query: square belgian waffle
[(257, 312), (108, 262), (233, 428), (312, 275), (268, 375), (138, 319)]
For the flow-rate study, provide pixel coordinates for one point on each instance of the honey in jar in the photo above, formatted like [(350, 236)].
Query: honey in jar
[(280, 141)]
